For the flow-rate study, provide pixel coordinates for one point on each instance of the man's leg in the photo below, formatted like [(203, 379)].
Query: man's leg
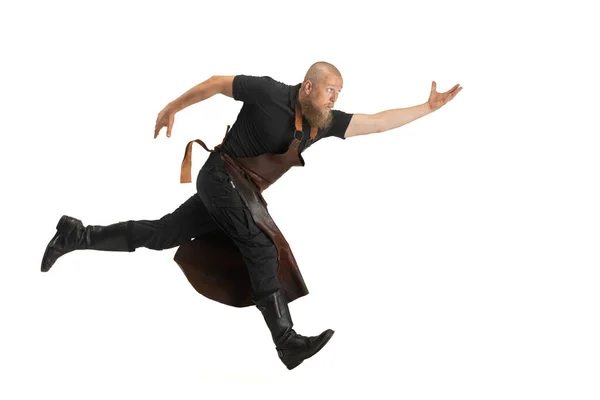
[(260, 256), (189, 220), (231, 215)]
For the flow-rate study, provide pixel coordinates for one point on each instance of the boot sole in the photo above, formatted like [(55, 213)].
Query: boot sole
[(326, 337)]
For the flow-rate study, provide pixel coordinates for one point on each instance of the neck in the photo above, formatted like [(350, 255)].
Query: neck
[(301, 97)]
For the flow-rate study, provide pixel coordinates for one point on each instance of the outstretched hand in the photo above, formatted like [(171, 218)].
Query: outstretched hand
[(437, 100), (165, 118)]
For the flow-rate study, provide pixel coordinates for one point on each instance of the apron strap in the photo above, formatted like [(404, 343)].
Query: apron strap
[(185, 175), (298, 117)]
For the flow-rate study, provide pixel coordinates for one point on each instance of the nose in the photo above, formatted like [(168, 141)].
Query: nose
[(334, 97)]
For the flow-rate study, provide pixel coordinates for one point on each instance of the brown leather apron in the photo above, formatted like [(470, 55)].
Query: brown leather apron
[(212, 263)]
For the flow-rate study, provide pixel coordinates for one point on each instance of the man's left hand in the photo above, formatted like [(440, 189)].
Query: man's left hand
[(437, 100)]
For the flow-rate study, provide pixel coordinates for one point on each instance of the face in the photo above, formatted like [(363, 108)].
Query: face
[(320, 99)]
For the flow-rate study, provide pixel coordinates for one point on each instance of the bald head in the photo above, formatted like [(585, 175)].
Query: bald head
[(321, 70), (319, 92)]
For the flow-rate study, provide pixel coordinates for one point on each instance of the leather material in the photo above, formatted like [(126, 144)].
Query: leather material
[(72, 235), (292, 348)]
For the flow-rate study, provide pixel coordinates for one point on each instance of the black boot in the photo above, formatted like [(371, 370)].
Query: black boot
[(72, 235), (291, 347)]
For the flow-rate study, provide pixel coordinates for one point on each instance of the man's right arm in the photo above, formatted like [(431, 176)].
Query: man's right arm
[(248, 88), (210, 87)]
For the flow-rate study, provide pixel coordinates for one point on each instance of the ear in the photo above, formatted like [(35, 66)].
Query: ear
[(308, 86)]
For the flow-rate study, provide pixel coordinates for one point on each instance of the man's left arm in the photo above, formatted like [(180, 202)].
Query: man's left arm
[(364, 124)]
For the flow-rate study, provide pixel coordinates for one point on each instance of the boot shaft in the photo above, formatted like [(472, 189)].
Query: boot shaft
[(276, 313), (77, 236), (112, 237)]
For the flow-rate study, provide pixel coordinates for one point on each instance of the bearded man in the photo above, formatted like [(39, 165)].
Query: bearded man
[(276, 123)]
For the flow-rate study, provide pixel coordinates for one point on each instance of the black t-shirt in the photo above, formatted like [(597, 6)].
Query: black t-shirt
[(266, 122)]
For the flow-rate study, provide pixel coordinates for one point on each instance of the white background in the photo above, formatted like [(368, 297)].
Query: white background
[(455, 257)]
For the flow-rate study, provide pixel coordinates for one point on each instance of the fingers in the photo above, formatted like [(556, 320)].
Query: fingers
[(170, 126), (455, 91), (449, 95), (160, 123), (455, 87)]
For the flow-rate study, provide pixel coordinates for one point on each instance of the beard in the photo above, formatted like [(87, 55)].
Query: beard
[(315, 116)]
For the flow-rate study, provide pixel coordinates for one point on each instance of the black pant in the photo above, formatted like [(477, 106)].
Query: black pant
[(216, 205)]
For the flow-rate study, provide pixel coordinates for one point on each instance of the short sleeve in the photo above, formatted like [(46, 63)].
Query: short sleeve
[(253, 89), (341, 120)]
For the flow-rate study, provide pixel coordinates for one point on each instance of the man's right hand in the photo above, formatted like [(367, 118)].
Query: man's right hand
[(165, 118)]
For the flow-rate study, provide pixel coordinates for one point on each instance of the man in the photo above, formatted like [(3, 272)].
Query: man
[(265, 125)]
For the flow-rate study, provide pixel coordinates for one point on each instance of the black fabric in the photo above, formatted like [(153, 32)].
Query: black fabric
[(266, 122), (216, 205), (191, 219)]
